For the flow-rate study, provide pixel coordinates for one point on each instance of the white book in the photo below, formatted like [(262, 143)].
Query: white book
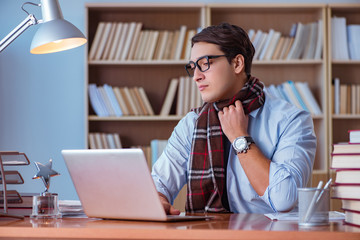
[(309, 51), (266, 44), (272, 45), (190, 35), (260, 45), (339, 46), (136, 102), (113, 101), (290, 94), (144, 47), (129, 39), (257, 39), (146, 101), (135, 41), (117, 140), (116, 41), (186, 99), (154, 35), (169, 98), (353, 31), (92, 142), (109, 42), (296, 46), (104, 141), (98, 142), (251, 34), (336, 96), (180, 42), (95, 102), (193, 89), (162, 45), (319, 40), (95, 44), (103, 41), (122, 40), (140, 43), (106, 100), (304, 89), (180, 97), (110, 140)]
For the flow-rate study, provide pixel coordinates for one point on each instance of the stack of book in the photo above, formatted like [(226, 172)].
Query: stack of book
[(297, 93), (104, 140), (346, 163), (115, 101), (184, 92), (123, 41), (346, 97), (305, 41)]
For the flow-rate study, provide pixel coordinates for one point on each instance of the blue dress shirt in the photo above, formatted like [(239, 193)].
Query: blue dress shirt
[(285, 135)]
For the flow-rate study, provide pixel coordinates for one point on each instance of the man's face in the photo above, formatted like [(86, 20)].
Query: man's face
[(220, 80)]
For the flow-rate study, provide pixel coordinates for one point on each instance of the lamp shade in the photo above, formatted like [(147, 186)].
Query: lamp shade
[(56, 35)]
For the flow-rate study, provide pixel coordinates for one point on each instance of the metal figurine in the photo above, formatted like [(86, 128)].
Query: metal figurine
[(45, 173)]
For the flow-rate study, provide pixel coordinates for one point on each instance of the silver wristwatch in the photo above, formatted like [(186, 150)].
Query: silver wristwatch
[(242, 144)]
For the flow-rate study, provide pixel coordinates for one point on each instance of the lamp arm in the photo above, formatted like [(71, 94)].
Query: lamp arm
[(28, 21)]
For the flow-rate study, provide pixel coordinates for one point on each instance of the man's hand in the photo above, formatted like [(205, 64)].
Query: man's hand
[(169, 210), (233, 120)]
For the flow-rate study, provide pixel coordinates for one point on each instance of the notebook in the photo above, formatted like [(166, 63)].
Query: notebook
[(116, 184)]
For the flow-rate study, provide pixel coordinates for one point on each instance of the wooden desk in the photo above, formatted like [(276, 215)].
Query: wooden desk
[(224, 226)]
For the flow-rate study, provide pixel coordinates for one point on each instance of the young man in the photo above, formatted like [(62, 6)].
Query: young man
[(244, 150)]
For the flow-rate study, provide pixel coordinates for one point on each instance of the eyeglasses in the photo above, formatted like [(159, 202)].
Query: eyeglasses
[(202, 63)]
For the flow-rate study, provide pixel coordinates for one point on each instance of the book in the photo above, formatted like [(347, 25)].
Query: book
[(352, 218), (309, 51), (345, 147), (109, 42), (353, 34), (298, 96), (102, 43), (129, 39), (136, 102), (180, 42), (146, 101), (96, 103), (347, 176), (117, 140), (96, 41), (92, 141), (346, 191), (134, 43), (350, 205), (113, 101), (354, 136), (339, 42), (121, 101), (123, 93), (121, 42), (127, 95), (110, 140), (117, 35), (266, 44), (153, 39), (336, 96), (169, 98), (106, 100), (160, 45), (345, 160), (308, 97), (319, 40), (260, 46), (140, 101)]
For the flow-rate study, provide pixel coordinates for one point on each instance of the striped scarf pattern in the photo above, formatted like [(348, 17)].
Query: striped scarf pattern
[(206, 177)]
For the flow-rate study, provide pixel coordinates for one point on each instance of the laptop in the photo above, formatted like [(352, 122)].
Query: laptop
[(116, 184)]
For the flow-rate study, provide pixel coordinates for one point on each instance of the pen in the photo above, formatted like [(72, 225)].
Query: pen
[(309, 212), (322, 191)]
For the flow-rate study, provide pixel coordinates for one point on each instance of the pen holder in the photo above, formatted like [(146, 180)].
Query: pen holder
[(46, 206), (313, 210)]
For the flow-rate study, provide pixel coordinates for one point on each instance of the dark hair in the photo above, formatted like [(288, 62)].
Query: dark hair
[(232, 40)]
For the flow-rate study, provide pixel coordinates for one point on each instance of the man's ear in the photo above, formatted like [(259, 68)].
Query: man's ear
[(239, 63)]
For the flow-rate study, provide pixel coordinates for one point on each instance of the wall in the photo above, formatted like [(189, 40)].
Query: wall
[(42, 96)]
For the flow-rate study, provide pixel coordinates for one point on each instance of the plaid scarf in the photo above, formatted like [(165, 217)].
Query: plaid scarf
[(206, 176)]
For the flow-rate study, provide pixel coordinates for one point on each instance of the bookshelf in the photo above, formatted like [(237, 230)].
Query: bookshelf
[(280, 17), (154, 75), (347, 71)]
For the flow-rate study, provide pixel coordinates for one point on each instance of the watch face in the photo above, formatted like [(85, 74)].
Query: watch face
[(240, 144)]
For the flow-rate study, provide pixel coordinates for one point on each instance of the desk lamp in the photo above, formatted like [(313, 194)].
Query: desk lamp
[(54, 34)]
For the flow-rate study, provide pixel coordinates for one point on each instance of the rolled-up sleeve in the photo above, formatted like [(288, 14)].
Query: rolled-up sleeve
[(291, 162), (170, 170)]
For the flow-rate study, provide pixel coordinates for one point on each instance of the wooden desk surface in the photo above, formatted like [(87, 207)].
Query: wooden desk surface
[(224, 226)]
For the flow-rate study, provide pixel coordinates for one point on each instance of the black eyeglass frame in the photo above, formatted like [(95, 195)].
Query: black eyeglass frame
[(208, 57)]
